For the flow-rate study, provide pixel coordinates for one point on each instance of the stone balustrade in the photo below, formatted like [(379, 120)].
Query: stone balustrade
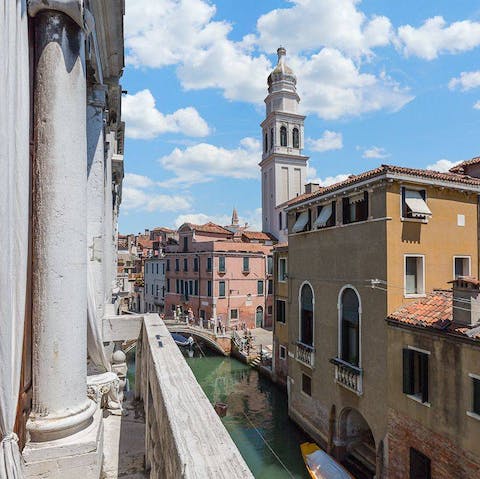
[(348, 376), (305, 354), (184, 436)]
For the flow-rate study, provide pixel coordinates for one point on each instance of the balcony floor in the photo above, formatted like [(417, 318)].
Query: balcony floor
[(124, 446)]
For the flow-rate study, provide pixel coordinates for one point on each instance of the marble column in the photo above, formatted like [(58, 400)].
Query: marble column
[(108, 223), (60, 403), (96, 191)]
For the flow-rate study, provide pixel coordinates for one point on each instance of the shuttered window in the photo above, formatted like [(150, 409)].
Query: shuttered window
[(415, 374)]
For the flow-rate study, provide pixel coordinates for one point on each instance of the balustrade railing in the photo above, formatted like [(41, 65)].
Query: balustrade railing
[(305, 354), (349, 376)]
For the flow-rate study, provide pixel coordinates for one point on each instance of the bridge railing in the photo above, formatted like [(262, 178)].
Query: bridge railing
[(182, 428)]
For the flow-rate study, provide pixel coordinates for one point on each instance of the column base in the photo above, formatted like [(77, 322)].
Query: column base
[(62, 424), (78, 456)]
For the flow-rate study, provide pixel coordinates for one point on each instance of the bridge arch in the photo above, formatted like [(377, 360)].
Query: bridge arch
[(196, 333)]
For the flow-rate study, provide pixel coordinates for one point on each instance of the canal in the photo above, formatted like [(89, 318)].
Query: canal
[(256, 408)]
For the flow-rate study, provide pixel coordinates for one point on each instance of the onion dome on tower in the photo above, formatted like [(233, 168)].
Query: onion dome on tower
[(282, 73)]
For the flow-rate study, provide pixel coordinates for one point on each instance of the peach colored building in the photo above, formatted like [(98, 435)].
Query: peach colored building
[(221, 273)]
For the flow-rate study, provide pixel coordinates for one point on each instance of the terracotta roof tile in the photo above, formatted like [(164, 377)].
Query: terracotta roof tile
[(209, 228), (258, 235), (383, 169), (435, 311), (460, 167)]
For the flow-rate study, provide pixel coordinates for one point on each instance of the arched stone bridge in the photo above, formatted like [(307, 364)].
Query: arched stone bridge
[(220, 343)]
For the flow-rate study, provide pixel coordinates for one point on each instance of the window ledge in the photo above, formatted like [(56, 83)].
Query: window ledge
[(417, 399), (473, 415), (413, 220), (417, 295)]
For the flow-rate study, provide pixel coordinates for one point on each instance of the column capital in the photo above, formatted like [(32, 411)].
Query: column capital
[(71, 8)]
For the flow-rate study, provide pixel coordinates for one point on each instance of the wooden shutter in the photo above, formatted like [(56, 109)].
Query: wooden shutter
[(346, 210), (333, 217), (424, 376), (407, 371), (365, 205)]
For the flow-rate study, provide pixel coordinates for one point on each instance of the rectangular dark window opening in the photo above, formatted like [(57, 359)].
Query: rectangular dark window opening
[(246, 264), (221, 289), (476, 396), (415, 374), (209, 264), (221, 264), (420, 465), (355, 208), (307, 384), (280, 311), (260, 287)]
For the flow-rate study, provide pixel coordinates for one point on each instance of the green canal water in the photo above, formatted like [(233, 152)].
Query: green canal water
[(255, 406)]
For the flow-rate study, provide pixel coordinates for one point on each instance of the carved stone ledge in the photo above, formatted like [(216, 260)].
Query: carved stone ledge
[(104, 390), (71, 8)]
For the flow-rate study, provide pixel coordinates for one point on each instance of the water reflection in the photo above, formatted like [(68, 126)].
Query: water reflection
[(255, 407)]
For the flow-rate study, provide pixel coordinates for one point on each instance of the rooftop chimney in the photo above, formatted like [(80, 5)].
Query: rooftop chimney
[(311, 187), (466, 301)]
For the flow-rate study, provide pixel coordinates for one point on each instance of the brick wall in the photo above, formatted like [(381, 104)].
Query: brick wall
[(447, 460)]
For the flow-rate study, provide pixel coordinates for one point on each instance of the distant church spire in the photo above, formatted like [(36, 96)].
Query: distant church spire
[(235, 217)]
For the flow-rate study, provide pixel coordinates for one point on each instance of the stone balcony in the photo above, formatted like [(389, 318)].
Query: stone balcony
[(305, 354), (348, 376), (171, 430)]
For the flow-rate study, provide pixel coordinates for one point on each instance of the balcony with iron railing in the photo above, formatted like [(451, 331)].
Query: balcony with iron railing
[(348, 375), (305, 354)]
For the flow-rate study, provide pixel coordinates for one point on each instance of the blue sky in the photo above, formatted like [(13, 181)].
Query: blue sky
[(380, 81)]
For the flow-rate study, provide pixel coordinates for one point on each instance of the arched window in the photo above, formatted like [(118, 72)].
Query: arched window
[(271, 138), (296, 138), (350, 327), (283, 136), (265, 143), (306, 315)]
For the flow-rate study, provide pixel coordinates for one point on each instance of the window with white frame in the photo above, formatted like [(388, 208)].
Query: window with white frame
[(282, 269), (415, 373), (476, 395), (414, 275), (461, 266), (283, 352), (414, 204)]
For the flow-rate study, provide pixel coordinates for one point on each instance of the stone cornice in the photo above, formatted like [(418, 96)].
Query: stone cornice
[(71, 8)]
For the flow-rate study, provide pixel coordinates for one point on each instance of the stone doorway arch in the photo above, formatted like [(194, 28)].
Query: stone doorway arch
[(358, 452)]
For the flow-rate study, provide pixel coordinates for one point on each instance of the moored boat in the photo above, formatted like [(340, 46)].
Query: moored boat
[(320, 465)]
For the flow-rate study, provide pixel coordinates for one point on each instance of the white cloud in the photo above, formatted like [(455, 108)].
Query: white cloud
[(434, 37), (139, 193), (330, 180), (375, 152), (332, 86), (253, 218), (203, 162), (137, 181), (144, 121), (466, 81), (185, 34), (330, 140), (334, 23), (476, 105), (442, 165)]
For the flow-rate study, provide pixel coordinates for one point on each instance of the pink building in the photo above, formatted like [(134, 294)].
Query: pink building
[(221, 272)]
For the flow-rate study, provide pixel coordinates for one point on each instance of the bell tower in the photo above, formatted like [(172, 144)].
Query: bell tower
[(283, 167)]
